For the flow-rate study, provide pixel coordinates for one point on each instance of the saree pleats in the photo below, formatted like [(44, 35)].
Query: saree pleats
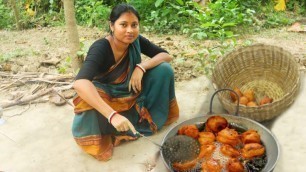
[(158, 97)]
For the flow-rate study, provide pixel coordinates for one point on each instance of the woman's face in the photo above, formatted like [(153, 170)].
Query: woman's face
[(126, 28)]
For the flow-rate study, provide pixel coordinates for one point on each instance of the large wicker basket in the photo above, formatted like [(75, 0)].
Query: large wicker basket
[(265, 69)]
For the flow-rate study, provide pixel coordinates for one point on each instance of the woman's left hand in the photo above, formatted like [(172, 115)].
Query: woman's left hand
[(135, 82)]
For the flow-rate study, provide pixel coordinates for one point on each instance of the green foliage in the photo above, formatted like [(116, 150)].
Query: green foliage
[(297, 6), (169, 17), (33, 13), (65, 66), (83, 49), (42, 7), (219, 19), (15, 54), (207, 57), (48, 13), (277, 19), (45, 20), (92, 13), (6, 19), (214, 21), (113, 2), (270, 18)]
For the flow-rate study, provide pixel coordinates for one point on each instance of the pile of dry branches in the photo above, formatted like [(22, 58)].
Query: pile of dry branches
[(34, 87)]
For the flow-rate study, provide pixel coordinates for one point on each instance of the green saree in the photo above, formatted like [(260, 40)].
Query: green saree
[(148, 111)]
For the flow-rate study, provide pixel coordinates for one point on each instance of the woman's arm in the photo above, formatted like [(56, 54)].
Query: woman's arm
[(88, 92), (156, 60), (157, 54)]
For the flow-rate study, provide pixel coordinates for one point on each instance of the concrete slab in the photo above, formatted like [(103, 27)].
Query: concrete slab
[(40, 138)]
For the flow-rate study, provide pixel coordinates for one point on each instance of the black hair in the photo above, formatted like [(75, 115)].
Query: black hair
[(120, 9)]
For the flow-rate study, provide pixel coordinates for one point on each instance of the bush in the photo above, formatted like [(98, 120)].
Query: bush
[(218, 19), (92, 13), (6, 19)]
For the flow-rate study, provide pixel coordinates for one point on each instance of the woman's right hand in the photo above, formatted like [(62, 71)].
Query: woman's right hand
[(88, 92), (122, 124)]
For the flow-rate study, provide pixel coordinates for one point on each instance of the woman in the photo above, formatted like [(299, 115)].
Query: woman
[(117, 93)]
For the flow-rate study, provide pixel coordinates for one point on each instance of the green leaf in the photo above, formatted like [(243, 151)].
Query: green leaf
[(80, 53), (158, 3), (82, 45), (209, 25), (68, 59), (228, 24), (229, 34), (180, 2)]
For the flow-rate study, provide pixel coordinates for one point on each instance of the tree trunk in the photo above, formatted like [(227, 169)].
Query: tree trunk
[(16, 14), (73, 36)]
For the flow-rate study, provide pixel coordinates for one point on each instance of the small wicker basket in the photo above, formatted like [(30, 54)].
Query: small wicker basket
[(265, 69)]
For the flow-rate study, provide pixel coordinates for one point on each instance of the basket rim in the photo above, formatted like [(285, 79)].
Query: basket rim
[(254, 45)]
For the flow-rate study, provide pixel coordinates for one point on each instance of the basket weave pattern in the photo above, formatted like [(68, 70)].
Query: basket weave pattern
[(265, 69)]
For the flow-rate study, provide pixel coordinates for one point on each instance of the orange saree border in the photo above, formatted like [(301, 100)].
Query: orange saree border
[(99, 146), (118, 104), (174, 112)]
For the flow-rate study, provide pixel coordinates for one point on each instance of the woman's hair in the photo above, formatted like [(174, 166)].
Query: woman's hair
[(120, 9)]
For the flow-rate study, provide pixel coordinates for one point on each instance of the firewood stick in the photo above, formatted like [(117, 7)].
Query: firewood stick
[(64, 98), (11, 84), (26, 99), (33, 97), (47, 81)]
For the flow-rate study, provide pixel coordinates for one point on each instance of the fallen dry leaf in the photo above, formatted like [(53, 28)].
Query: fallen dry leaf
[(297, 27)]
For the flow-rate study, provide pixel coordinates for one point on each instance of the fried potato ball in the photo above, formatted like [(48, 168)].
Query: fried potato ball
[(250, 136), (233, 95), (215, 124), (252, 150), (249, 94), (184, 166), (229, 151), (252, 104), (211, 165), (243, 100), (189, 130), (206, 138), (234, 165), (266, 100), (207, 150), (228, 136)]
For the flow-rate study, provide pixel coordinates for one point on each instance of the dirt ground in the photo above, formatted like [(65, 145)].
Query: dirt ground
[(30, 131), (45, 50), (36, 59)]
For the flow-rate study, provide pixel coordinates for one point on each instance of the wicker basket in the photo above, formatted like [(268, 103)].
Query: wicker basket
[(265, 69)]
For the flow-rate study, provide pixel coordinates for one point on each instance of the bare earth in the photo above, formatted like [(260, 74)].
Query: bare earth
[(37, 137)]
